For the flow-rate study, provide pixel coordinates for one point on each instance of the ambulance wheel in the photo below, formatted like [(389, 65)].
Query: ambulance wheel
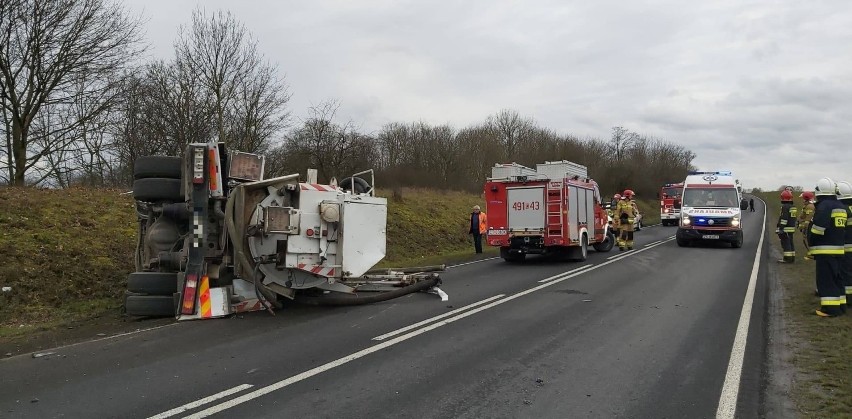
[(736, 244), (149, 305), (157, 190), (683, 242), (154, 283), (157, 167), (607, 244), (581, 252)]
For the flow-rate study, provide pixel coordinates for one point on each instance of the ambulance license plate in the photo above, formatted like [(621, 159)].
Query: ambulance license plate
[(710, 237)]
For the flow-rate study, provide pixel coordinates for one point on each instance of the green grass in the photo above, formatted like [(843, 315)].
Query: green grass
[(822, 347), (64, 253)]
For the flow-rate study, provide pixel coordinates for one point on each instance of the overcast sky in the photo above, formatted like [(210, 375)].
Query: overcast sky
[(763, 88)]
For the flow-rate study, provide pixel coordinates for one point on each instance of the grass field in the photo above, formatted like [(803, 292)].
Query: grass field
[(822, 347)]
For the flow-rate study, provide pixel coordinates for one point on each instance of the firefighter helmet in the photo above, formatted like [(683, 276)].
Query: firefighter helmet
[(616, 196), (825, 187), (786, 195), (807, 196), (844, 189), (628, 194)]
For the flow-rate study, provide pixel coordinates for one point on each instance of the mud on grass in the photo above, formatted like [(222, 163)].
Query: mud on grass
[(822, 347)]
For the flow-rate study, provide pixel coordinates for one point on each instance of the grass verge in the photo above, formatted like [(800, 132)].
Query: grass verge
[(821, 347)]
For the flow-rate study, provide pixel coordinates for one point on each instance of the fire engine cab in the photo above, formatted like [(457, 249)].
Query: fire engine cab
[(554, 209), (670, 203), (711, 209)]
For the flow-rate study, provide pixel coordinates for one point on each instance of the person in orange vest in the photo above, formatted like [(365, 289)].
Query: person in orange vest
[(478, 227)]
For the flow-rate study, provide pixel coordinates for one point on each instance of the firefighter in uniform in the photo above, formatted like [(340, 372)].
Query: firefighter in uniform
[(786, 227), (627, 216), (611, 212), (844, 189), (826, 241), (805, 217)]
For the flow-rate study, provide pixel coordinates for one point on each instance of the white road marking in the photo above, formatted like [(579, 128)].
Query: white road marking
[(565, 273), (731, 387), (471, 263), (430, 320), (385, 344), (201, 402), (619, 255)]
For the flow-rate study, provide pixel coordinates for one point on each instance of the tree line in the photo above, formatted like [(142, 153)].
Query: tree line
[(78, 108)]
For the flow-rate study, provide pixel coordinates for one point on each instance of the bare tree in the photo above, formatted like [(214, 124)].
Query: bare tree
[(511, 129), (46, 49)]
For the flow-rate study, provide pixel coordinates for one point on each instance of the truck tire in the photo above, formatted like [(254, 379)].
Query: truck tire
[(152, 283), (157, 167), (581, 252), (157, 190), (149, 305), (511, 257), (607, 244)]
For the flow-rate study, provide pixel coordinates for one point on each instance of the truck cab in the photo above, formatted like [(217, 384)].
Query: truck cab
[(711, 207), (670, 203)]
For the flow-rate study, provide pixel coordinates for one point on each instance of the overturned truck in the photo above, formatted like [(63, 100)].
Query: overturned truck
[(216, 238)]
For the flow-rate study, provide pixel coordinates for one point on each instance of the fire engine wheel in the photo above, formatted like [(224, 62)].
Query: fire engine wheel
[(153, 283), (149, 305), (157, 167), (157, 190), (607, 244), (581, 252), (512, 257)]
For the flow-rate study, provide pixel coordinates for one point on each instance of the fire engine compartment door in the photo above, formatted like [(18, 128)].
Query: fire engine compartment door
[(526, 208), (581, 211)]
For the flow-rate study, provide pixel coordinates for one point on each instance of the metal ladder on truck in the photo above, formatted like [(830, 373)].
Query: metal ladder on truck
[(554, 227)]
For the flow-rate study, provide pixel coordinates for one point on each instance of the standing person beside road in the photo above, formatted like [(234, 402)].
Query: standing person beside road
[(805, 217), (844, 190), (478, 227), (786, 227), (826, 240), (751, 204), (626, 217)]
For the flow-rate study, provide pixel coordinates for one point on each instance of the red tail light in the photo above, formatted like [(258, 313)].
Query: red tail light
[(214, 171), (190, 289)]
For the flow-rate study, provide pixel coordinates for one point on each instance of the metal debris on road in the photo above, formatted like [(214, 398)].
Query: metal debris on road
[(43, 354)]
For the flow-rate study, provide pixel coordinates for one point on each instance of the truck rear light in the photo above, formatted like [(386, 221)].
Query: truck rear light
[(190, 290), (310, 232), (246, 166), (198, 165), (213, 167)]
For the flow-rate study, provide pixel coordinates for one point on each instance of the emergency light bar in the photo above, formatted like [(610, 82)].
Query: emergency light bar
[(718, 172)]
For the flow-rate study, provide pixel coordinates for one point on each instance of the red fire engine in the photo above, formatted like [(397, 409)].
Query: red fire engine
[(670, 201), (554, 209)]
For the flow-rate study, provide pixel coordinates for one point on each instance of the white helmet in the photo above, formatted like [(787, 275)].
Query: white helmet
[(844, 189), (825, 187)]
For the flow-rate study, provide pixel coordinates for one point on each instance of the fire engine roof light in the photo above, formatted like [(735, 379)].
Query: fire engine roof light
[(717, 172)]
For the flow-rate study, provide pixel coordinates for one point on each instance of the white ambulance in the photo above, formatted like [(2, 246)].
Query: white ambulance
[(711, 209)]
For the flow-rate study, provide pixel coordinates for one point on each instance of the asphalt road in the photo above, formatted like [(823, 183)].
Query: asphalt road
[(647, 333)]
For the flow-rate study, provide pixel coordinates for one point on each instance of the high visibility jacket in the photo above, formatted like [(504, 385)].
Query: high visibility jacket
[(787, 220), (483, 222), (625, 209), (827, 235), (848, 242), (807, 214)]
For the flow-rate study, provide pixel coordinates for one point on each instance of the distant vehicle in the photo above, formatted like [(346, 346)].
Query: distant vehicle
[(711, 209), (670, 203)]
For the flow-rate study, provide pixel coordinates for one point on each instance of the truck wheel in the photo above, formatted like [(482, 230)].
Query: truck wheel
[(157, 167), (607, 244), (157, 189), (149, 305), (154, 283), (581, 252), (511, 257)]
